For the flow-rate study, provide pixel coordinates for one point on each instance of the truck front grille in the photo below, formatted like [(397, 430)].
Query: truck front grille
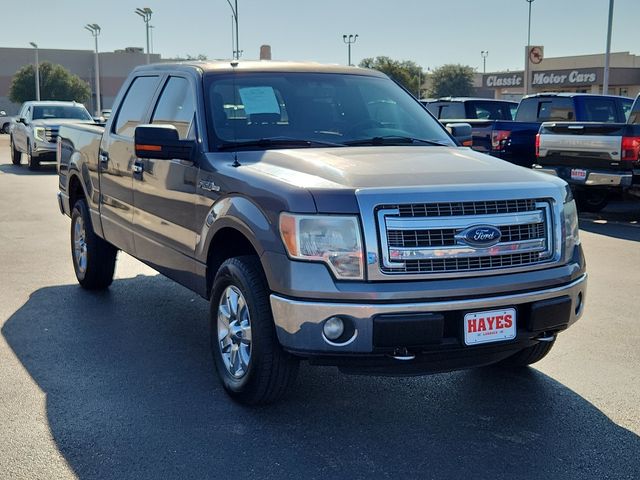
[(428, 238), (51, 134)]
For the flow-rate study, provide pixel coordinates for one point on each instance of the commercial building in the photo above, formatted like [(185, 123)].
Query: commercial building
[(582, 73), (114, 69)]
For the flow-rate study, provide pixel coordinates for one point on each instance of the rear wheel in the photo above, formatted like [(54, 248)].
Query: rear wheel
[(592, 200), (528, 355), (16, 156), (94, 259), (251, 364)]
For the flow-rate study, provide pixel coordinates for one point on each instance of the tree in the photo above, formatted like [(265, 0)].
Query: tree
[(405, 72), (451, 81), (56, 83)]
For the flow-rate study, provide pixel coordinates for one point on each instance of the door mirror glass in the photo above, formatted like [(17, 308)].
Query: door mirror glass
[(22, 120), (163, 142), (461, 132)]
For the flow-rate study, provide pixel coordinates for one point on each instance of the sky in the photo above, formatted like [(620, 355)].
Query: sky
[(428, 32)]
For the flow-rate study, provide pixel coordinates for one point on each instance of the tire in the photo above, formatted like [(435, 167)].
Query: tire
[(16, 156), (592, 200), (94, 259), (5, 128), (260, 372), (528, 355), (32, 161)]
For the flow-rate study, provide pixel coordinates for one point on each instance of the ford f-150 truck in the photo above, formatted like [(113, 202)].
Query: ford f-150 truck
[(34, 130), (326, 216), (597, 159), (515, 141)]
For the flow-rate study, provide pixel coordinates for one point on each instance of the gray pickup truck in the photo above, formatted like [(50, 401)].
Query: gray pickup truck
[(326, 216)]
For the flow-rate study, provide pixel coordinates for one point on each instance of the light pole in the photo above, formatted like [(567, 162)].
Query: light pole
[(145, 13), (234, 12), (34, 45), (151, 27), (94, 28), (349, 40), (484, 54), (526, 60), (605, 83)]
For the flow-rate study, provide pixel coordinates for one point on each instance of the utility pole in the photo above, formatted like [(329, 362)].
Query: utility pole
[(349, 40), (94, 28), (605, 83), (34, 45), (484, 54), (145, 13), (234, 12), (526, 60)]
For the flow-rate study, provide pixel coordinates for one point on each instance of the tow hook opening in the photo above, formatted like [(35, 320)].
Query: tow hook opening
[(402, 354), (547, 337)]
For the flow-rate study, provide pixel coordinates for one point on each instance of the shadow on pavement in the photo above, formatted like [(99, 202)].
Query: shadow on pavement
[(619, 220), (22, 169), (131, 393)]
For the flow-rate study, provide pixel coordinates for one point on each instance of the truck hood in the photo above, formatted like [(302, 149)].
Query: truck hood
[(375, 167), (56, 122)]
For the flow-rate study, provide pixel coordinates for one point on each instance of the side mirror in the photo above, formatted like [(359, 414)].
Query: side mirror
[(163, 142), (461, 132), (3, 113), (22, 120)]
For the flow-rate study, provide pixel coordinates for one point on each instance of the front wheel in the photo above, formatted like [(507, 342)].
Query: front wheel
[(528, 355), (32, 160), (16, 156), (251, 364), (94, 259)]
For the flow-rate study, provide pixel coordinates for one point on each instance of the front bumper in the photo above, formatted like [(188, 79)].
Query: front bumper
[(44, 151), (299, 323), (594, 178)]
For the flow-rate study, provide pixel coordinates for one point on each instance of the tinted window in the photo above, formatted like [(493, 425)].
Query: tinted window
[(489, 110), (634, 116), (432, 107), (329, 107), (452, 110), (134, 105), (626, 107), (176, 106), (601, 110), (556, 109), (60, 111)]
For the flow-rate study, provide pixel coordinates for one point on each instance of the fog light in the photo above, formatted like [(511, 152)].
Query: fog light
[(333, 328)]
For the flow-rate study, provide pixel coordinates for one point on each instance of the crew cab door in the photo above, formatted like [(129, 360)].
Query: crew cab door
[(164, 190), (20, 132), (116, 160)]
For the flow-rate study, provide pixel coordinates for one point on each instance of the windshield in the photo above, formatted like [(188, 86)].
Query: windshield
[(318, 108), (60, 111)]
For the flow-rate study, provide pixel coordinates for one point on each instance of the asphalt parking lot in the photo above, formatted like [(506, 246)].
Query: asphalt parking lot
[(121, 384)]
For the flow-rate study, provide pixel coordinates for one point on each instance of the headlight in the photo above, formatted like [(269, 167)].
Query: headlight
[(332, 239), (571, 229), (39, 133)]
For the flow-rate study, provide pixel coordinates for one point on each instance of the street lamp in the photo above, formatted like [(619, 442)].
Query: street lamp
[(349, 40), (605, 82), (526, 60), (94, 29), (145, 13), (484, 54), (234, 12), (34, 45)]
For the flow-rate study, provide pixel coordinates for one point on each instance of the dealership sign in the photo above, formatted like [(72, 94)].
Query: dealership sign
[(565, 77), (503, 80)]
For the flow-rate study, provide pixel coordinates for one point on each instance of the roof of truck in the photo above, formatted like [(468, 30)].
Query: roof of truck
[(226, 66), (466, 99)]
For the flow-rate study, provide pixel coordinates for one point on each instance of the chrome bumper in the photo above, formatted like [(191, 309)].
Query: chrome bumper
[(299, 323), (596, 179)]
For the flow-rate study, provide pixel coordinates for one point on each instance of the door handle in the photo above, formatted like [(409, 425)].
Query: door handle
[(137, 168), (103, 158)]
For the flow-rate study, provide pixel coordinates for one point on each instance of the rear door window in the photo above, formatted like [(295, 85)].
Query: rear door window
[(176, 107), (602, 110), (134, 105)]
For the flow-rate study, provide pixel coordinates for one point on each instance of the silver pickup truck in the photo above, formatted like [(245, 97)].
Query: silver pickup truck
[(34, 130), (326, 216)]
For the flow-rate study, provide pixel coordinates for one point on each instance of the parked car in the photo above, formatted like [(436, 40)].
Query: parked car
[(35, 129), (468, 108), (597, 159), (515, 141), (333, 221), (5, 121)]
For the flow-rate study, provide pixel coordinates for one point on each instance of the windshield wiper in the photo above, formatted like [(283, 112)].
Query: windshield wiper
[(393, 140), (277, 142)]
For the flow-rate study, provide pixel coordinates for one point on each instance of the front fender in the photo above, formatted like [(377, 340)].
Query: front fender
[(243, 215)]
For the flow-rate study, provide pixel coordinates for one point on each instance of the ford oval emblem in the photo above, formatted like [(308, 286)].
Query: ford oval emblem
[(480, 236)]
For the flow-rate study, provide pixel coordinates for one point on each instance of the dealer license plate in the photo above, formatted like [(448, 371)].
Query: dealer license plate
[(489, 326), (578, 174)]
